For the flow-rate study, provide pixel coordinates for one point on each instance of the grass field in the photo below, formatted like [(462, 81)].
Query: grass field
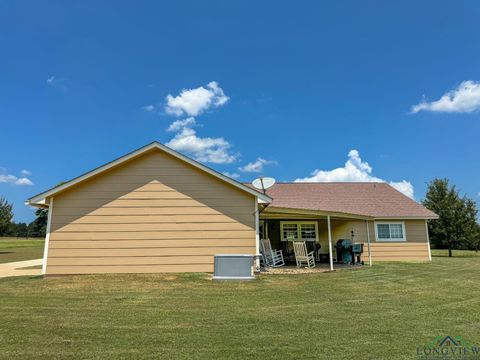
[(382, 312), (18, 249)]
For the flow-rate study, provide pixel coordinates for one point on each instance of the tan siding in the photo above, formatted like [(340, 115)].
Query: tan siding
[(414, 249), (132, 269), (126, 244), (152, 214), (153, 235), (399, 251)]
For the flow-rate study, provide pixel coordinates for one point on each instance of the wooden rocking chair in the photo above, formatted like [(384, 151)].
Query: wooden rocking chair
[(272, 257), (301, 255)]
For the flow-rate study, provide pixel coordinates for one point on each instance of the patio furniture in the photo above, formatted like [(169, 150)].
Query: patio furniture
[(302, 256), (273, 258)]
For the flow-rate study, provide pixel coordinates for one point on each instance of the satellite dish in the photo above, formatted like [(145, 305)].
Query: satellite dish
[(263, 183)]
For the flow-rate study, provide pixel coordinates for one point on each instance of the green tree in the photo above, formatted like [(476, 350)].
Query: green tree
[(456, 226), (38, 227), (6, 215)]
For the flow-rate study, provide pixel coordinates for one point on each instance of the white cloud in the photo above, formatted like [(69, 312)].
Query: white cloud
[(464, 99), (25, 172), (23, 181), (213, 150), (232, 175), (149, 108), (193, 102), (14, 180), (51, 79), (355, 170), (256, 166), (7, 178), (180, 124)]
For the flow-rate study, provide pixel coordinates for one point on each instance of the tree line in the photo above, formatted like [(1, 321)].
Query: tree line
[(37, 228)]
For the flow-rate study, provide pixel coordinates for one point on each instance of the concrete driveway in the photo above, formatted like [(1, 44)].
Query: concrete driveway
[(14, 268)]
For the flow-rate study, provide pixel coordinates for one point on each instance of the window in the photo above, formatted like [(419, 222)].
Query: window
[(299, 231), (390, 231)]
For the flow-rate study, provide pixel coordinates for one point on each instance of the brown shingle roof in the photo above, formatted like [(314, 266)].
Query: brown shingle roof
[(378, 200)]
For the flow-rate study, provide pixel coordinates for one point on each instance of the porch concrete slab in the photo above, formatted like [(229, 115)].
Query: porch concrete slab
[(15, 268), (320, 268)]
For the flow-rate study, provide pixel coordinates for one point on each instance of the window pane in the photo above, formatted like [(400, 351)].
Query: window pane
[(396, 231), (290, 232), (383, 231), (308, 231)]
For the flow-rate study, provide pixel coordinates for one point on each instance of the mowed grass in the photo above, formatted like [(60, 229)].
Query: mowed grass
[(382, 312), (455, 253), (19, 249)]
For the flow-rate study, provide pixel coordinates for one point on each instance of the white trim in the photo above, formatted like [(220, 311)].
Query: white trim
[(391, 223), (299, 230), (257, 235), (368, 242), (47, 238), (428, 242), (330, 250), (38, 199)]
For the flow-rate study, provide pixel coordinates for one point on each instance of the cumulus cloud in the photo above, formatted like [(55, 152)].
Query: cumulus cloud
[(464, 99), (355, 170), (232, 175), (256, 166), (180, 124), (25, 172), (193, 102), (213, 150), (14, 180)]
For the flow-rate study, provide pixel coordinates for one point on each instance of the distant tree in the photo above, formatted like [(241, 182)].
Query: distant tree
[(38, 227), (6, 215), (475, 243), (19, 230), (456, 226)]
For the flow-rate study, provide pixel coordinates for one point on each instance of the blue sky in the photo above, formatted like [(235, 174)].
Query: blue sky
[(298, 85)]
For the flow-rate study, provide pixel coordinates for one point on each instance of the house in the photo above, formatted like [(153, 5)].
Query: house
[(155, 210)]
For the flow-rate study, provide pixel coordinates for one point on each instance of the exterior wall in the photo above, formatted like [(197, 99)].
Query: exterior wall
[(415, 248), (152, 214)]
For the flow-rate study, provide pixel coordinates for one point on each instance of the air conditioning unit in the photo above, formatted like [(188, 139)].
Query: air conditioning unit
[(233, 267)]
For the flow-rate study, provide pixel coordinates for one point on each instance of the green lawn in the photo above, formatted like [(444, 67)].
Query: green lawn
[(455, 253), (382, 312), (18, 249)]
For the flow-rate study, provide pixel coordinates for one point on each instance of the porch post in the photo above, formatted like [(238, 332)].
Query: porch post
[(257, 236), (428, 242), (368, 241), (330, 242)]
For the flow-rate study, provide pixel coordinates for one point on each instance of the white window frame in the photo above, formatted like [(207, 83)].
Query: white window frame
[(299, 230), (390, 223)]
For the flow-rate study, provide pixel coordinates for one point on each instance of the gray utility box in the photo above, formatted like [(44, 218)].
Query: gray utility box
[(233, 267)]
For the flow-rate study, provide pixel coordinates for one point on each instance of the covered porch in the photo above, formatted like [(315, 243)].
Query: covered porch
[(319, 230)]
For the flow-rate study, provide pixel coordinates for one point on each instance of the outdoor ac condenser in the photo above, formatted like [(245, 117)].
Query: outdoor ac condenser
[(233, 267)]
